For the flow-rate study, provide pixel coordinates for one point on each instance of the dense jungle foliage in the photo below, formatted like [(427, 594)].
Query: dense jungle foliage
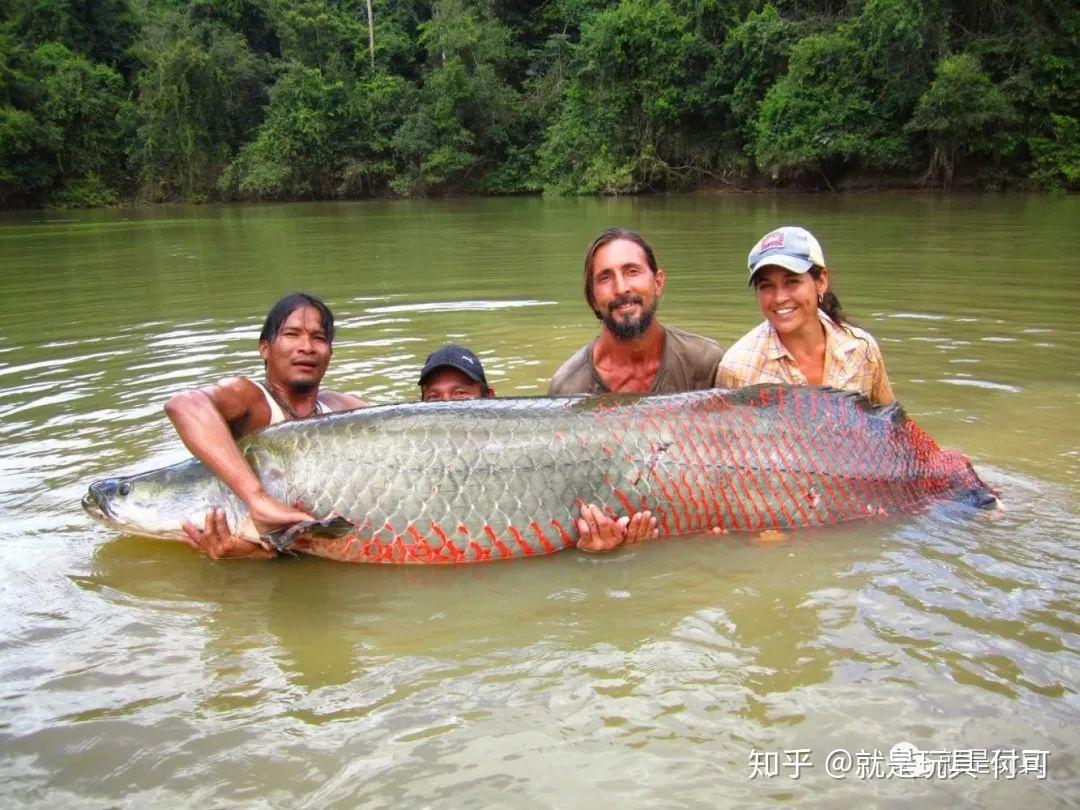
[(106, 101)]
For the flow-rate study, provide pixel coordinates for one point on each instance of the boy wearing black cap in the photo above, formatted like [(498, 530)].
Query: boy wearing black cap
[(453, 373)]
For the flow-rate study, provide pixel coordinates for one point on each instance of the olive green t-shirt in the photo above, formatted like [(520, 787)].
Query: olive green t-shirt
[(689, 363)]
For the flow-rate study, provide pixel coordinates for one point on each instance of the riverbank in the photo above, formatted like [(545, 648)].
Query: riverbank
[(852, 184)]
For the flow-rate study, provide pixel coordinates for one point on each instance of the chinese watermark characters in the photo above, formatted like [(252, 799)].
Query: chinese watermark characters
[(904, 761)]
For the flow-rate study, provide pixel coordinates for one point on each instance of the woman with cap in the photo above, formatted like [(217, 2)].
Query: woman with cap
[(805, 339)]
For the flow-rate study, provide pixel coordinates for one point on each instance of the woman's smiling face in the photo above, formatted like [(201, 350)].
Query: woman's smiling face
[(788, 300)]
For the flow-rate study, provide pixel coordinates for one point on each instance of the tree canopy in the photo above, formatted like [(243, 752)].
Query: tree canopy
[(107, 101)]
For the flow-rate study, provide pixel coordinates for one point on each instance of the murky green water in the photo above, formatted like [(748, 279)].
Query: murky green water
[(136, 673)]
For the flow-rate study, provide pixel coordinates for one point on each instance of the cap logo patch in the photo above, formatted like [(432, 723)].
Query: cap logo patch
[(469, 359), (772, 240)]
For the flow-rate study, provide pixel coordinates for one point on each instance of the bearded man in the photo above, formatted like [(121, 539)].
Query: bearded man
[(634, 352)]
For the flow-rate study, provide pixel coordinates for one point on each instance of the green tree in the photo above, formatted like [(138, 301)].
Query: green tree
[(633, 115), (848, 93), (101, 30), (814, 116), (254, 19), (322, 137), (398, 51), (1057, 155), (901, 41), (86, 106), (753, 57), (190, 100), (463, 123), (329, 36), (962, 115), (63, 122), (27, 144), (1051, 114), (200, 95)]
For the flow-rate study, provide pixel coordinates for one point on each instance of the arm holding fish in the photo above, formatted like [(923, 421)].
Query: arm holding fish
[(207, 420)]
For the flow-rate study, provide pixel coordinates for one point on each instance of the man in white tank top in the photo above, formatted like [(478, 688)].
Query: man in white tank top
[(295, 345)]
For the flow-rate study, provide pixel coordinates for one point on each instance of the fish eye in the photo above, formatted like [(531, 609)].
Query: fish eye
[(125, 488)]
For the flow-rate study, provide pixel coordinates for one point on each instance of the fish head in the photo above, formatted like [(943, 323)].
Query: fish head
[(965, 484), (156, 504)]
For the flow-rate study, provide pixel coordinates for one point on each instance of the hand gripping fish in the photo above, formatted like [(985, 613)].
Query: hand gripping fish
[(457, 482)]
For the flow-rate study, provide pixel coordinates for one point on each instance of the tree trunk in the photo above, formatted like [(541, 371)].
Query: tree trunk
[(371, 33)]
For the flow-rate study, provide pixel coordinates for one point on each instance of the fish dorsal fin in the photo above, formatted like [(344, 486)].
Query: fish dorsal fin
[(777, 394), (890, 412)]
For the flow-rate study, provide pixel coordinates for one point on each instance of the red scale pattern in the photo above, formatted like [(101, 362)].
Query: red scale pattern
[(768, 457)]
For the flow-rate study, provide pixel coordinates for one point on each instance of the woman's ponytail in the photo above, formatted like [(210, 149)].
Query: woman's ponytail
[(829, 303)]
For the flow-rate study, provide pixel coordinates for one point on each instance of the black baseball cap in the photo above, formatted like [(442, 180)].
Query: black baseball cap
[(455, 357)]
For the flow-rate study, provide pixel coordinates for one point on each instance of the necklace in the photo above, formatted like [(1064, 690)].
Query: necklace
[(285, 406)]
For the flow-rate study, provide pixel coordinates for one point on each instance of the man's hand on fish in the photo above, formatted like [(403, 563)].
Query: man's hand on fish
[(641, 526), (216, 541), (269, 513), (597, 532)]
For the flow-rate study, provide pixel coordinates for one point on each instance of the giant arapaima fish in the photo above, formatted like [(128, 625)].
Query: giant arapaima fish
[(458, 482)]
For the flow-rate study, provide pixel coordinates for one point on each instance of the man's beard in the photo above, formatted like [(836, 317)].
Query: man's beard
[(634, 327), (303, 386)]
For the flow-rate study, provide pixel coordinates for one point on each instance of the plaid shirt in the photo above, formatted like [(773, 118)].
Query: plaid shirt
[(853, 361)]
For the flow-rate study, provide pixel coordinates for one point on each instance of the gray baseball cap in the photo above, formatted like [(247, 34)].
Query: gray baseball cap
[(790, 247)]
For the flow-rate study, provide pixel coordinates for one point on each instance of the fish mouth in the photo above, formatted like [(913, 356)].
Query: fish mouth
[(95, 511), (96, 505), (96, 502)]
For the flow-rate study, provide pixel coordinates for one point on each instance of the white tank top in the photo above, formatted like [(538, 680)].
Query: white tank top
[(277, 414)]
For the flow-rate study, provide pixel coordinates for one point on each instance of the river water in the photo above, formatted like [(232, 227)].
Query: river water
[(137, 673)]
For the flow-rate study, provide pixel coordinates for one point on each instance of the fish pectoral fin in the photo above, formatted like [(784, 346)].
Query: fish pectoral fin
[(282, 539)]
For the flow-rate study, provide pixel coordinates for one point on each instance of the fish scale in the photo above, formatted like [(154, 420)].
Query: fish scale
[(493, 479)]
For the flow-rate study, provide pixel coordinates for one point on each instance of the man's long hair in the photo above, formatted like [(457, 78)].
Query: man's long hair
[(608, 236), (280, 312)]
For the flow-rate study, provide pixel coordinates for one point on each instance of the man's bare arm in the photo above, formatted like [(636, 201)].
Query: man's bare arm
[(202, 418)]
